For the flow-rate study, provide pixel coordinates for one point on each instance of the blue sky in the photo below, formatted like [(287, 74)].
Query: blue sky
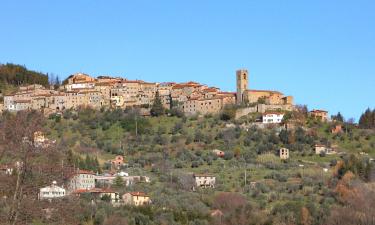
[(322, 52)]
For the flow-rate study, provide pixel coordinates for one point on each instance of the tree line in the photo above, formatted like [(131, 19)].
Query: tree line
[(19, 75), (367, 119)]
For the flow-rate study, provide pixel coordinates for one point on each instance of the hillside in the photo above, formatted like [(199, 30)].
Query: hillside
[(250, 178), (13, 75)]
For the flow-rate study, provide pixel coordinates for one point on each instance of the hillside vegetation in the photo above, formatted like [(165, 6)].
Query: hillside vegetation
[(253, 185)]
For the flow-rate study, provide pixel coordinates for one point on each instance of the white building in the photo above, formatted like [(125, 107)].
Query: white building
[(273, 117), (80, 85), (284, 153), (204, 180), (52, 191), (81, 179)]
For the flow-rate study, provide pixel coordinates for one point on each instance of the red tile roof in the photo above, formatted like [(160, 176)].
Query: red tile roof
[(93, 190)]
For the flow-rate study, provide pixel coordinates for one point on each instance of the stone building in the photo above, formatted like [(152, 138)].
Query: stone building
[(136, 199), (203, 106), (242, 85), (245, 95), (284, 153), (191, 97), (79, 78), (81, 179)]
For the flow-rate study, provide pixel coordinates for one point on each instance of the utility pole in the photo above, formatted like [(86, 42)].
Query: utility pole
[(245, 177)]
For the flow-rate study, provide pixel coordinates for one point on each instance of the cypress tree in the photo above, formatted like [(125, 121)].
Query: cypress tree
[(157, 108)]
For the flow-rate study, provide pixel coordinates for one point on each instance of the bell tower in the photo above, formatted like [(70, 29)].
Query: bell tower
[(242, 84)]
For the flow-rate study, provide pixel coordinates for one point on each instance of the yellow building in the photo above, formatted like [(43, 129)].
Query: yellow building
[(136, 199), (321, 115)]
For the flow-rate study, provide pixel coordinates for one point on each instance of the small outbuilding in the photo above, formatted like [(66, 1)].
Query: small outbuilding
[(284, 153)]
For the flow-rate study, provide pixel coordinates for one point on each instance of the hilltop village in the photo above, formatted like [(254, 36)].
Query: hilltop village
[(109, 92), (91, 151)]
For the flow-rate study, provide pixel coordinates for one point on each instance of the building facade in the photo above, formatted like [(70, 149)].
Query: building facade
[(52, 191), (318, 114), (242, 85), (136, 199), (204, 180), (272, 117), (82, 90), (81, 179), (284, 153)]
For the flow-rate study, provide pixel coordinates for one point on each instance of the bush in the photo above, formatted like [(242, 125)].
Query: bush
[(228, 155), (228, 113), (195, 164), (178, 165)]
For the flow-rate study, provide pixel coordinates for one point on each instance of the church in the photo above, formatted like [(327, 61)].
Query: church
[(249, 96)]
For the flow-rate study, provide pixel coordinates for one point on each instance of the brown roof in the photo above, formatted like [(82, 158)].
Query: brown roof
[(210, 90), (89, 91), (138, 194), (85, 172), (273, 92), (320, 145), (93, 190), (188, 84), (318, 111), (132, 81), (22, 101), (84, 81), (227, 93), (42, 95)]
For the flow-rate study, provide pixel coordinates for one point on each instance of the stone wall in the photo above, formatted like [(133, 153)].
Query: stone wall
[(262, 108)]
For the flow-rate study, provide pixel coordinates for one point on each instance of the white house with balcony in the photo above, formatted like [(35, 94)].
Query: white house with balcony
[(272, 117), (51, 192)]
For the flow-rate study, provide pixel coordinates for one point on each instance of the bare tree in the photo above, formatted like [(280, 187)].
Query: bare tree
[(357, 208), (33, 166)]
